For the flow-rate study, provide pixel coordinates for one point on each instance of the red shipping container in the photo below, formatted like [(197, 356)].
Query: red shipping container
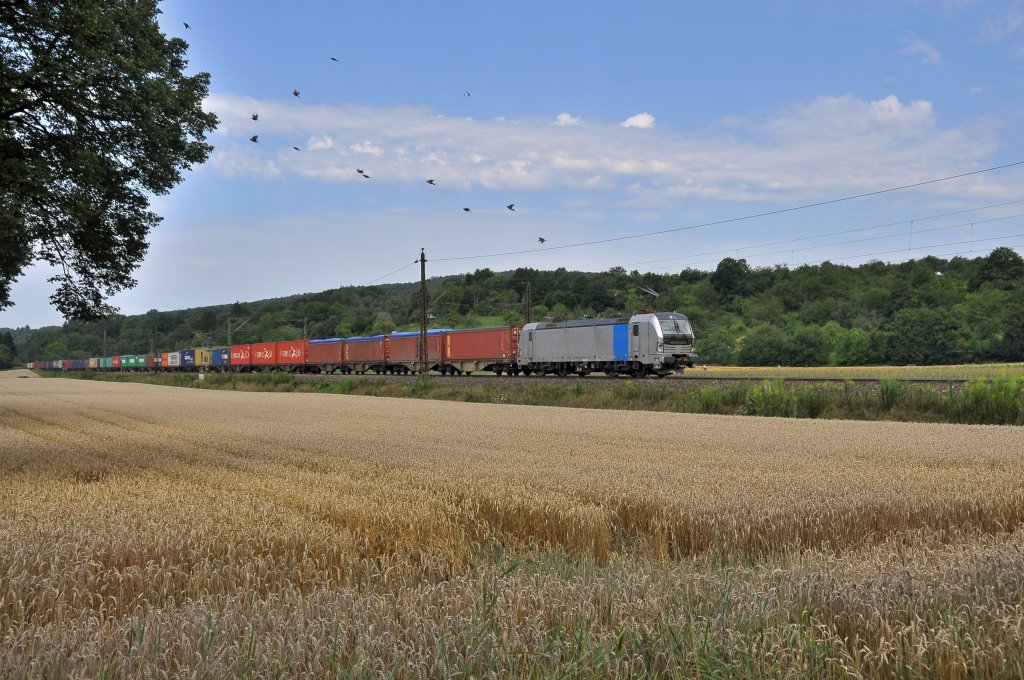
[(291, 352), (405, 347), (368, 349), (241, 355), (263, 354), (325, 352), (116, 361), (67, 364), (491, 344), (150, 360)]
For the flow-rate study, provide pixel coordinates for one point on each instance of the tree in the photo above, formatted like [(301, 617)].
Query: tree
[(731, 277), (1003, 267), (96, 114)]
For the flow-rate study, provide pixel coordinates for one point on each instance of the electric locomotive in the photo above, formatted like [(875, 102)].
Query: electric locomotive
[(659, 343)]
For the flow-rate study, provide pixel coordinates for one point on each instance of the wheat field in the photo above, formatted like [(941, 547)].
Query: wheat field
[(162, 531), (947, 372)]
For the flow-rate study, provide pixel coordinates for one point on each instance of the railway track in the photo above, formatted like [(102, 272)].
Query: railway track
[(674, 382)]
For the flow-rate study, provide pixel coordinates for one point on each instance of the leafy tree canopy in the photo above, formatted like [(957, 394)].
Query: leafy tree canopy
[(921, 312), (96, 113)]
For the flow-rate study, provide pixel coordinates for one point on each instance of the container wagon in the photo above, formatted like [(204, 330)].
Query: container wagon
[(403, 350), (291, 355), (326, 356), (366, 354), (481, 349)]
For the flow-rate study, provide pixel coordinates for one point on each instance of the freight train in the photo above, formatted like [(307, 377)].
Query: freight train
[(644, 344)]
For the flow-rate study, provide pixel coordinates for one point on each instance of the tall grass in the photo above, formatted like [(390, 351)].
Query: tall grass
[(989, 401)]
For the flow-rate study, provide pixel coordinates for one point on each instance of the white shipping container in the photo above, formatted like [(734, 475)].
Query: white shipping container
[(174, 358)]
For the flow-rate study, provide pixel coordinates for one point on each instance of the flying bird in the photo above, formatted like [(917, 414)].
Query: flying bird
[(296, 148), (466, 210), (541, 239), (431, 182), (255, 116), (334, 59), (187, 27), (511, 206), (296, 93), (360, 170), (467, 93), (366, 176), (255, 139)]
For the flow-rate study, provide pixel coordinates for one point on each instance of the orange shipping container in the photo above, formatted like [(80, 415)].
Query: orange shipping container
[(327, 351), (366, 349), (241, 355), (405, 346), (491, 344), (291, 352), (263, 354)]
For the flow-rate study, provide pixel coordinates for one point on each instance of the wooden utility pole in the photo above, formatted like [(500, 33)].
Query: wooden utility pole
[(528, 302), (104, 342), (423, 313), (304, 320)]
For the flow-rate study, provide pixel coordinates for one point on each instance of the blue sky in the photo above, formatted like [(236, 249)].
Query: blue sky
[(597, 120)]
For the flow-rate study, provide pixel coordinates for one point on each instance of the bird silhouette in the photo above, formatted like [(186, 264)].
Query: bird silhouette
[(466, 210), (187, 27), (511, 206), (431, 182), (360, 170), (334, 59), (541, 239), (296, 93), (255, 139), (366, 176), (255, 116), (296, 148), (467, 93)]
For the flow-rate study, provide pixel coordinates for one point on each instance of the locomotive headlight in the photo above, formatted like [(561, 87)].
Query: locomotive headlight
[(661, 347)]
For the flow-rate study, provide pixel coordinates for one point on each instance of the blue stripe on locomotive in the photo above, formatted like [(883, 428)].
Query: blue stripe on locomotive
[(620, 341)]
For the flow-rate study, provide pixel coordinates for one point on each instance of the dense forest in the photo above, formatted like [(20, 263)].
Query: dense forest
[(926, 311)]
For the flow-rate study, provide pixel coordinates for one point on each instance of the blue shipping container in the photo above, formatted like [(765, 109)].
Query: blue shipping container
[(78, 364), (431, 331), (220, 356), (188, 357), (620, 342)]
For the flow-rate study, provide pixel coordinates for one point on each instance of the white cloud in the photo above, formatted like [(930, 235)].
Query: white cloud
[(366, 148), (829, 146), (564, 119), (640, 120), (996, 30), (914, 46)]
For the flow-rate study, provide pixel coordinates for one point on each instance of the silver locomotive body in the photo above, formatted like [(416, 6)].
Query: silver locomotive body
[(643, 344)]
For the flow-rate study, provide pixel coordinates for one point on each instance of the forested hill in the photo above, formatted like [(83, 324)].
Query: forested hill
[(917, 312)]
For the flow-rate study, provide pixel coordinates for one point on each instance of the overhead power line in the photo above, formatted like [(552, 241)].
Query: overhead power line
[(391, 273), (730, 220), (845, 243), (938, 245), (838, 233), (898, 250)]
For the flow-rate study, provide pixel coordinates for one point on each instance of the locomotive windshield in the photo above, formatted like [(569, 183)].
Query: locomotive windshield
[(676, 329)]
